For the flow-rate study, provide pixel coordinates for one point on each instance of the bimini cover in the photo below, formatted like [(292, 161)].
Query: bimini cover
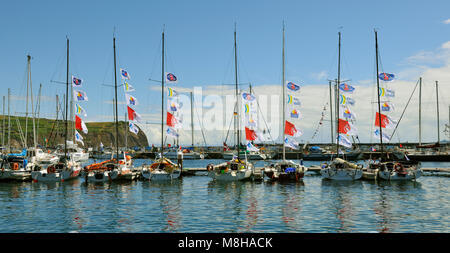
[(289, 169)]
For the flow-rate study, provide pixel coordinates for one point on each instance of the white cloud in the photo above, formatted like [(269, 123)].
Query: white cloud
[(447, 21)]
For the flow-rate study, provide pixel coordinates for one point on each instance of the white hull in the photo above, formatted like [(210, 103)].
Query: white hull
[(231, 175), (160, 175), (251, 156), (186, 156), (341, 174), (58, 176)]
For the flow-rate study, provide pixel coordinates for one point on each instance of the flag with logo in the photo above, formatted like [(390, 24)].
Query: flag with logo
[(250, 134), (133, 115), (292, 86), (133, 128), (385, 136), (386, 76), (80, 125), (387, 93), (291, 100), (171, 78), (344, 100), (78, 137), (386, 121), (80, 95), (346, 113), (76, 82), (80, 110), (172, 132), (124, 74), (290, 143), (130, 99), (250, 147), (291, 130), (172, 92), (248, 96), (345, 127), (172, 121), (346, 88), (128, 87), (387, 107), (344, 141)]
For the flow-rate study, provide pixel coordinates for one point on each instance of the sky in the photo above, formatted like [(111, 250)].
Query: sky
[(413, 38)]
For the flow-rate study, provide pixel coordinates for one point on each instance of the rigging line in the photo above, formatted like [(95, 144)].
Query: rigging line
[(231, 121), (404, 110), (201, 126), (262, 115)]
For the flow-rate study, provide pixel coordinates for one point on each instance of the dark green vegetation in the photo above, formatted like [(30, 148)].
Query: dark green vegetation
[(50, 133)]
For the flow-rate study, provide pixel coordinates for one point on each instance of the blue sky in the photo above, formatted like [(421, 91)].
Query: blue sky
[(199, 44)]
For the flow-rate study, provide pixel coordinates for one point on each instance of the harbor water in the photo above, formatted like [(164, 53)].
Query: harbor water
[(197, 204)]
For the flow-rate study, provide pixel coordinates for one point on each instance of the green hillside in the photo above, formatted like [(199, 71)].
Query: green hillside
[(51, 132)]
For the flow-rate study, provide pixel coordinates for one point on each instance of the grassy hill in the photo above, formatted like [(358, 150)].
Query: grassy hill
[(51, 132)]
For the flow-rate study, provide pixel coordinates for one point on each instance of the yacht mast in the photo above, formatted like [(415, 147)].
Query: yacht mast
[(283, 81), (115, 101), (236, 119), (337, 96), (437, 110), (162, 96), (67, 102), (378, 97)]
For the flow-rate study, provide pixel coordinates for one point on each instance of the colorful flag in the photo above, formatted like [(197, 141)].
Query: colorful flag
[(248, 96), (345, 127), (133, 115), (79, 124), (133, 128), (293, 100), (346, 88), (251, 122), (290, 143), (80, 110), (250, 147), (124, 74), (172, 132), (386, 121), (173, 105), (78, 137), (292, 86), (345, 112), (250, 135), (172, 92), (295, 114), (344, 141), (171, 78), (385, 136), (386, 77), (131, 100), (387, 107), (386, 93), (76, 82), (343, 100), (128, 87), (80, 95), (291, 130), (172, 121)]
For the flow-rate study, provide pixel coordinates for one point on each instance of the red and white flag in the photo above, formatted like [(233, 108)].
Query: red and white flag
[(133, 115), (291, 130), (386, 121), (346, 127), (79, 124), (250, 135), (172, 121)]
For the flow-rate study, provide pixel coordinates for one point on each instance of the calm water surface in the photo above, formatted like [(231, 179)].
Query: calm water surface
[(198, 204)]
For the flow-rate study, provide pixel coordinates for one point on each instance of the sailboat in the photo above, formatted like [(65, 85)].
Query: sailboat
[(285, 170), (65, 169), (386, 168), (236, 169), (112, 169), (339, 168), (162, 168)]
